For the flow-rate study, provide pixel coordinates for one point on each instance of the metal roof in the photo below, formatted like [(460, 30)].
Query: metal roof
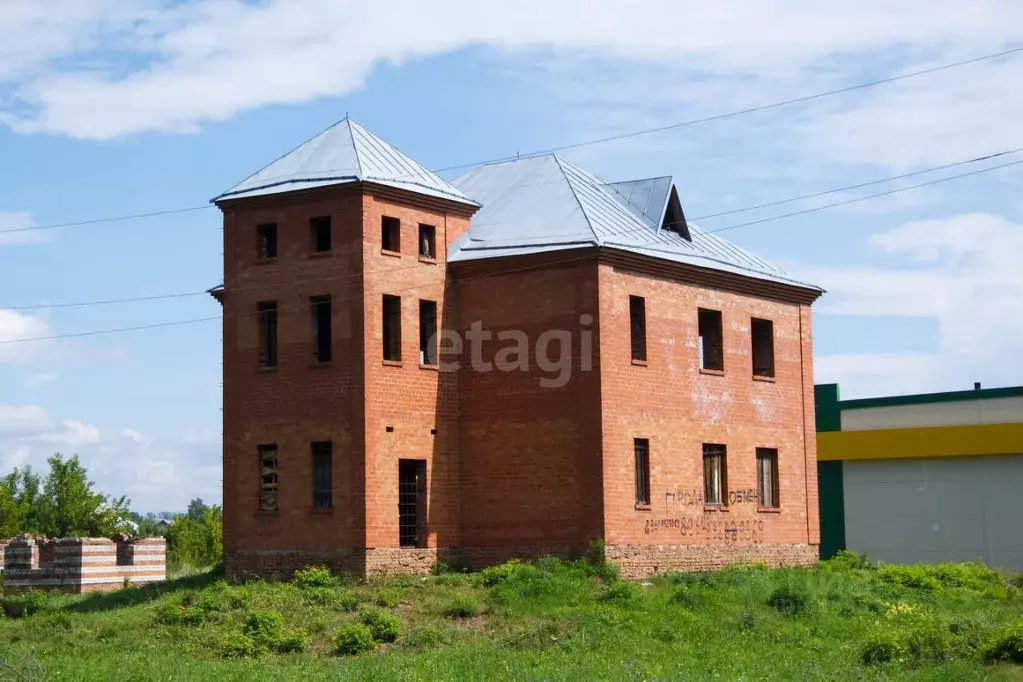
[(649, 196), (546, 203), (344, 153)]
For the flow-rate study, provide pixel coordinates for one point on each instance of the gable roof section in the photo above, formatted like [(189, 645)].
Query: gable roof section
[(344, 153), (649, 196), (546, 203)]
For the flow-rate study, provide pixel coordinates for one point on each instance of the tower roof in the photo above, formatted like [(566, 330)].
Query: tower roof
[(344, 153)]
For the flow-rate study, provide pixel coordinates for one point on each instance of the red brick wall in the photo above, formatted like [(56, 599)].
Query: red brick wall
[(678, 408), (300, 401), (411, 399), (530, 455), (512, 464)]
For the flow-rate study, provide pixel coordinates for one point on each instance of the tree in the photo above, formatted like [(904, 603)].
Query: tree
[(196, 542), (147, 526), (11, 513), (24, 487), (197, 509), (68, 507)]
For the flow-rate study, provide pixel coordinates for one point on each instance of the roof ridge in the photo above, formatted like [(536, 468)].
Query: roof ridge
[(355, 146), (652, 177), (575, 195)]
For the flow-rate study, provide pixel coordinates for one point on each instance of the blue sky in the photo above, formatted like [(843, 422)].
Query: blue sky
[(110, 108)]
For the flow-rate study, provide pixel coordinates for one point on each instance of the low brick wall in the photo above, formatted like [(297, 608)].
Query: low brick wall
[(640, 561), (82, 564)]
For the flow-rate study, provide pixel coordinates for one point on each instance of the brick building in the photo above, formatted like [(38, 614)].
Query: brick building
[(523, 361)]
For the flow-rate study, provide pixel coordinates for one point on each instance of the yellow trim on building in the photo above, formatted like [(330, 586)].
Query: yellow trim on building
[(933, 441)]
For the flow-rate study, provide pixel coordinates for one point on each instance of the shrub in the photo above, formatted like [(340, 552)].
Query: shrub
[(344, 600), (209, 603), (175, 614), (387, 598), (917, 577), (295, 642), (845, 561), (932, 578), (932, 641), (1008, 646), (264, 627), (384, 626), (664, 632), (315, 576), (239, 645), (462, 606), (495, 575), (620, 593), (1016, 580), (789, 599), (974, 576), (353, 639), (238, 597), (881, 647), (609, 573)]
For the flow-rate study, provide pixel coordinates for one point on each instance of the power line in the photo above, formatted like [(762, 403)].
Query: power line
[(575, 145), (749, 110), (114, 219), (577, 258), (861, 185), (206, 292), (866, 197), (779, 202), (111, 301), (292, 309)]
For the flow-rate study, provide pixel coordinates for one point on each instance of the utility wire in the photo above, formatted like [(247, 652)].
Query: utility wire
[(860, 185), (750, 110), (878, 181), (577, 258), (292, 309), (575, 145), (866, 197), (114, 219)]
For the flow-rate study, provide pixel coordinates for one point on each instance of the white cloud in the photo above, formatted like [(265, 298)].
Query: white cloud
[(14, 230), (155, 473), (932, 120), (180, 64), (15, 458), (74, 433), (966, 273), (133, 435), (23, 417), (16, 326)]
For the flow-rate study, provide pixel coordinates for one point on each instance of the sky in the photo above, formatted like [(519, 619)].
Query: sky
[(109, 108)]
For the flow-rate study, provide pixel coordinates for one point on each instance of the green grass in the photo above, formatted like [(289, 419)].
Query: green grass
[(549, 620)]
